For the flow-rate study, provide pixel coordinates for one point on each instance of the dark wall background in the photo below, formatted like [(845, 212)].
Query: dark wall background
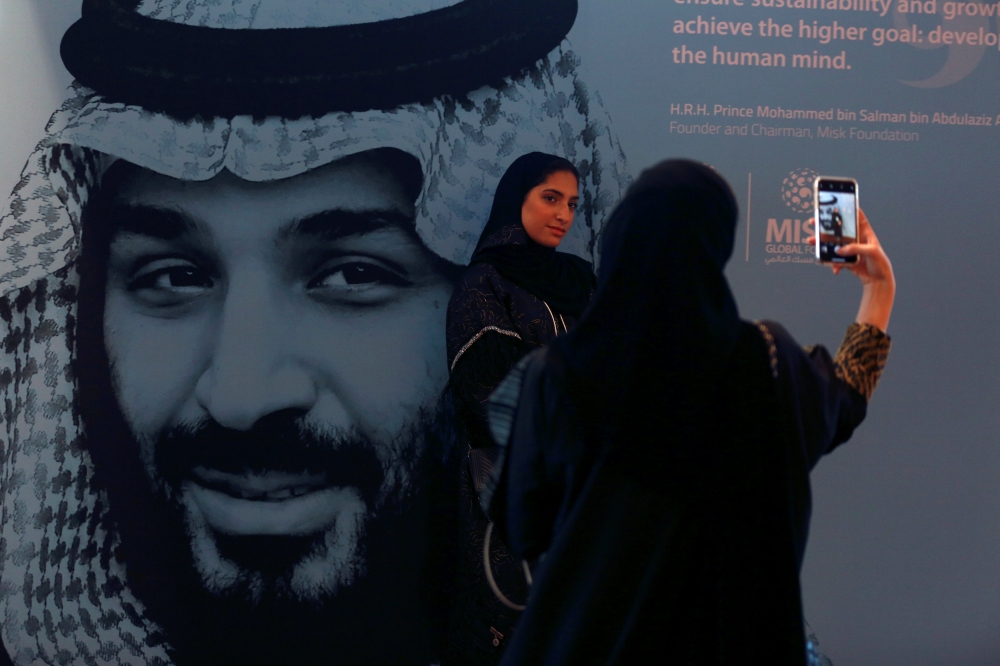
[(902, 561)]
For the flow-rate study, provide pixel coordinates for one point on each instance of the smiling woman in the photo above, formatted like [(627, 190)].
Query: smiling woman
[(548, 208), (517, 294)]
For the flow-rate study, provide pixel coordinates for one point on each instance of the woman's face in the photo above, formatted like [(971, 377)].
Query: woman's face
[(547, 213)]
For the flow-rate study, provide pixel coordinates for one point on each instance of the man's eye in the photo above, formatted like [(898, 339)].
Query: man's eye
[(162, 283), (357, 274)]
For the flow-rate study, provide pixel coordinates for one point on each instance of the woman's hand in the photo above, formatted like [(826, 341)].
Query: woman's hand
[(875, 272)]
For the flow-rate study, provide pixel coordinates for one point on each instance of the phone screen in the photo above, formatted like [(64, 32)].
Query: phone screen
[(836, 218)]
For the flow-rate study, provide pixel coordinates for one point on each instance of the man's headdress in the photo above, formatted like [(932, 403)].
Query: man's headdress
[(511, 87)]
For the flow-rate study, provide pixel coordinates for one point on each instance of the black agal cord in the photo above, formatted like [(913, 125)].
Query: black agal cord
[(292, 72)]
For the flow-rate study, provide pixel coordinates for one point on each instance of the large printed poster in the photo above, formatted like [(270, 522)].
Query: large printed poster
[(224, 300), (226, 270)]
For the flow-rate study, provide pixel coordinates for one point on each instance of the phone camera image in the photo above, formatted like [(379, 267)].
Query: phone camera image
[(836, 218)]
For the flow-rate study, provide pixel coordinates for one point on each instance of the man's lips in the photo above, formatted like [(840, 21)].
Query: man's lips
[(273, 503), (267, 487)]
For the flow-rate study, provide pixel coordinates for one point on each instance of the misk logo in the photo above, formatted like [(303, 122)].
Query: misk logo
[(786, 233), (797, 190)]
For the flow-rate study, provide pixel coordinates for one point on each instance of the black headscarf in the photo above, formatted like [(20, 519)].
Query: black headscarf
[(562, 280), (664, 301), (651, 459)]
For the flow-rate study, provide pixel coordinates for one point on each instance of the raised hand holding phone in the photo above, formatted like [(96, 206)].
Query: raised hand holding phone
[(874, 270)]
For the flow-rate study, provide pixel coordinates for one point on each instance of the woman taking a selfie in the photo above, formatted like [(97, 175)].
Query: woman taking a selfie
[(654, 464), (517, 294)]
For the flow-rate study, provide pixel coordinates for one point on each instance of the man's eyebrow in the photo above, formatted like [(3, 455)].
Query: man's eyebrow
[(335, 224), (153, 221)]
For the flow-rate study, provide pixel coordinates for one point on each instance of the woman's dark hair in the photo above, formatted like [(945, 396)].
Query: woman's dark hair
[(558, 164)]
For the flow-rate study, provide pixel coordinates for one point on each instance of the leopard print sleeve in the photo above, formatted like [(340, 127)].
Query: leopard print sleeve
[(861, 357)]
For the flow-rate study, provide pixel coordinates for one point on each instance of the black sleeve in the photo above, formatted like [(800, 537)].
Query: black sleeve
[(821, 407), (478, 371), (820, 410)]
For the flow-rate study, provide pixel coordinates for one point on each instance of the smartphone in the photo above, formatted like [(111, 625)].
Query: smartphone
[(836, 218)]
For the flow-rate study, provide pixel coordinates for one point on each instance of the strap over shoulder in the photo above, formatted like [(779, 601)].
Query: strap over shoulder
[(772, 349)]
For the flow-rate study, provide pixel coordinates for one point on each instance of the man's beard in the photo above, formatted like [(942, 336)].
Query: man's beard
[(321, 492), (289, 598), (297, 598)]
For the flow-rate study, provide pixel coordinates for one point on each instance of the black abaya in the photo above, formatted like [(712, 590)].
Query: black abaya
[(654, 462), (515, 297)]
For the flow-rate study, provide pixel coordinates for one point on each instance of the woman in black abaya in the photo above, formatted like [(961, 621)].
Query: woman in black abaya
[(517, 294), (654, 462)]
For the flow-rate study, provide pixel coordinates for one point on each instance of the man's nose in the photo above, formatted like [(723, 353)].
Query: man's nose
[(253, 371)]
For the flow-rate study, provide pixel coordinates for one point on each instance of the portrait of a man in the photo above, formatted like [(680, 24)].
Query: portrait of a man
[(224, 312)]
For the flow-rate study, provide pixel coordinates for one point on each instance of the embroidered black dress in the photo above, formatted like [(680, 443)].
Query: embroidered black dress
[(492, 323), (515, 297), (655, 468)]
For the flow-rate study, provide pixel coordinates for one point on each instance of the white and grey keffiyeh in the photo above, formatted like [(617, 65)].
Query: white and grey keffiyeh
[(63, 595)]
